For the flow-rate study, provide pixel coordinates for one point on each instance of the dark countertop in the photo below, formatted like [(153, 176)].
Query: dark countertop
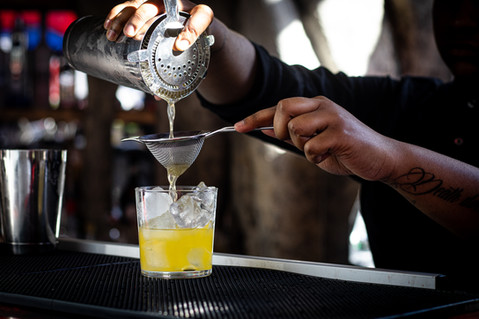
[(103, 280)]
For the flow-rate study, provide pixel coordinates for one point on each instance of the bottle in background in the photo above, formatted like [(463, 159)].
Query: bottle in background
[(7, 21), (62, 76), (38, 54), (19, 90), (33, 28)]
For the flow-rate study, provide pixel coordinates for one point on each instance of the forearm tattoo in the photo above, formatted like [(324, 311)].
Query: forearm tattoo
[(419, 182)]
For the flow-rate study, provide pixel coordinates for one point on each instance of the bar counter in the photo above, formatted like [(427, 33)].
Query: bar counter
[(102, 280)]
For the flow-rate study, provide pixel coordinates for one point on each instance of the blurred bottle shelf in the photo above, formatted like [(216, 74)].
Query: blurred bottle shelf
[(11, 115), (43, 4)]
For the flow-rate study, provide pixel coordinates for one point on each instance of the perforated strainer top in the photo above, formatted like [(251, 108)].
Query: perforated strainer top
[(171, 75)]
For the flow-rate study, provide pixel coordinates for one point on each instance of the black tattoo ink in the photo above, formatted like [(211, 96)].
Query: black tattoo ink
[(419, 182), (451, 194)]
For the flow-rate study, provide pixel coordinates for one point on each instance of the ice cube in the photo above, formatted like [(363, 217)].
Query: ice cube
[(205, 196), (156, 204), (195, 209), (207, 200), (203, 218), (198, 257), (184, 211), (201, 187), (164, 221)]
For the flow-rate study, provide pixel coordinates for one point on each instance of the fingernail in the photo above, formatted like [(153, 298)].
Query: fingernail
[(111, 35), (239, 124), (129, 30), (107, 24), (182, 45)]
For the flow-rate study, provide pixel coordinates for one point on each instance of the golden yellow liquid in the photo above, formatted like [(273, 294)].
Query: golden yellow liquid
[(173, 172), (175, 250), (171, 111), (176, 170)]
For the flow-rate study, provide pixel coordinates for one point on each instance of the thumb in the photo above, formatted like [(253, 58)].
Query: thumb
[(201, 17)]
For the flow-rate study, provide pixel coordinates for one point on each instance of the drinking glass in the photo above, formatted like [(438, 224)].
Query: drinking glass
[(176, 230)]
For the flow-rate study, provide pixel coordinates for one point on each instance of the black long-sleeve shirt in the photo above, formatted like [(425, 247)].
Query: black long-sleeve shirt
[(421, 111)]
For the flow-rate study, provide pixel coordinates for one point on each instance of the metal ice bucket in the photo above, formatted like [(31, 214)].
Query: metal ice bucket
[(31, 191)]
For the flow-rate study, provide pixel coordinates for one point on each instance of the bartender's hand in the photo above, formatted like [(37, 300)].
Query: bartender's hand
[(330, 136), (339, 143), (134, 17), (232, 70)]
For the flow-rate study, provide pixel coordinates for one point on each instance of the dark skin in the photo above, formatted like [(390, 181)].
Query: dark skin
[(331, 137)]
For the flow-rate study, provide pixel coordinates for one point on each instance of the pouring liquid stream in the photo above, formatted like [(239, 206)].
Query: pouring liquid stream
[(173, 171), (171, 111)]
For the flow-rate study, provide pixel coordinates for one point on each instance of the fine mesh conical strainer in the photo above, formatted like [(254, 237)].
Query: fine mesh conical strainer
[(182, 149)]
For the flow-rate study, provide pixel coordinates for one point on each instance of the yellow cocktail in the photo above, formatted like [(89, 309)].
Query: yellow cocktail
[(176, 250), (176, 230)]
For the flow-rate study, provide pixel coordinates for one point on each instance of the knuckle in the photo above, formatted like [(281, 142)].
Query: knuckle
[(140, 15), (294, 129), (308, 150), (283, 106), (116, 26), (191, 32), (312, 153), (204, 9)]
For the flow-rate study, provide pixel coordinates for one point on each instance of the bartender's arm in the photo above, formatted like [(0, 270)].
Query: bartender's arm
[(232, 66), (445, 189)]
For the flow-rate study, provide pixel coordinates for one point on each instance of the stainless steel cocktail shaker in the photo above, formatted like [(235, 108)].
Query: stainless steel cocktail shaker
[(150, 65)]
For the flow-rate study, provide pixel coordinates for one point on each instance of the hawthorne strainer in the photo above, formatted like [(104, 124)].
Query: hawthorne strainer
[(173, 75), (183, 148), (170, 74)]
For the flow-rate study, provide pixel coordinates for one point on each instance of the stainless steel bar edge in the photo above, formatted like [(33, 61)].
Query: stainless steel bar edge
[(317, 269), (99, 247), (333, 271)]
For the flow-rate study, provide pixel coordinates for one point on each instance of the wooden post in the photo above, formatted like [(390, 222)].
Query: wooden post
[(97, 155)]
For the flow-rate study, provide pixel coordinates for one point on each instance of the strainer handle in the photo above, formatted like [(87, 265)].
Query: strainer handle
[(221, 130), (172, 15), (232, 129), (132, 138)]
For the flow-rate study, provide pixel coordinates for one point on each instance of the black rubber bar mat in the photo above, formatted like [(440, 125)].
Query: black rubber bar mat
[(112, 287)]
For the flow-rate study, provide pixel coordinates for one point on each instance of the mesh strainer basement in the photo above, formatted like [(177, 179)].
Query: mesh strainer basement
[(181, 150)]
